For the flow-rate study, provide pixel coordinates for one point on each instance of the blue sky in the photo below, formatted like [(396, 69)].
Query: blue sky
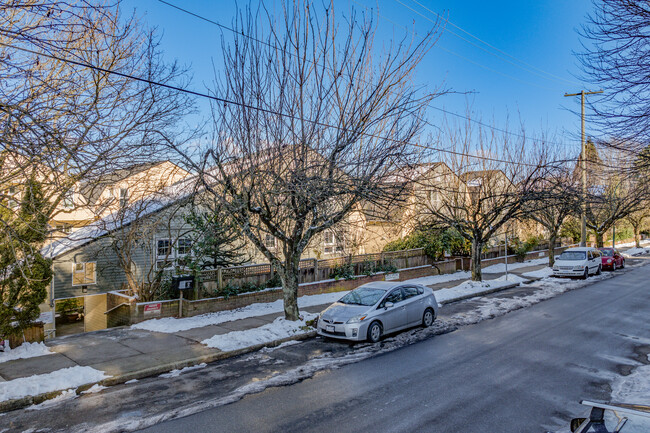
[(540, 33)]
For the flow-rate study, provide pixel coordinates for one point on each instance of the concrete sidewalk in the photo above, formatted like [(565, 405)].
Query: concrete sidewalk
[(125, 353)]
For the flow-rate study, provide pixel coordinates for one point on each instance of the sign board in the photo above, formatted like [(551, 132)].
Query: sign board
[(391, 277), (47, 317), (152, 309), (184, 283), (542, 254)]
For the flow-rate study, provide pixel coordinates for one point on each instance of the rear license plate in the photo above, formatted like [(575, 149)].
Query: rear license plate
[(329, 328)]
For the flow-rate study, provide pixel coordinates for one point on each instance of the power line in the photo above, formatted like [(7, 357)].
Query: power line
[(230, 29), (264, 110), (556, 77)]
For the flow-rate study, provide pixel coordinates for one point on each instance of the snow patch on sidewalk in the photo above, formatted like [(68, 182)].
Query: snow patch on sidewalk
[(542, 273), (280, 328), (25, 350), (170, 325), (636, 251), (442, 278), (500, 268), (65, 378), (475, 287)]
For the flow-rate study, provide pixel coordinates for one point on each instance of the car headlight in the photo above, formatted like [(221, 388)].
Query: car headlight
[(356, 319), (609, 260), (555, 268), (578, 268)]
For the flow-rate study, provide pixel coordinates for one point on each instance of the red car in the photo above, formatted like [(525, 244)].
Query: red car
[(612, 259)]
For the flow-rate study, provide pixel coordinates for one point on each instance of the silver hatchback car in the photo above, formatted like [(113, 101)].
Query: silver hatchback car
[(378, 308)]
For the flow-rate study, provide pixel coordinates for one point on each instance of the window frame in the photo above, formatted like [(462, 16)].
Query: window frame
[(85, 283)]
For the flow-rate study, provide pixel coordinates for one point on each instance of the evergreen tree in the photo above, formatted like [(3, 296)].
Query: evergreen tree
[(24, 273)]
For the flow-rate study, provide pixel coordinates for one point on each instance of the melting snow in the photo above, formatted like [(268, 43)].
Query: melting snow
[(25, 350), (278, 329), (542, 273), (634, 388), (65, 378), (176, 373), (501, 267)]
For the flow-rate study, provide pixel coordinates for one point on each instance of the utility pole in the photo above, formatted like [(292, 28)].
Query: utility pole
[(583, 225)]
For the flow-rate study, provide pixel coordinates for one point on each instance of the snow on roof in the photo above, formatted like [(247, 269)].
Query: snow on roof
[(142, 208)]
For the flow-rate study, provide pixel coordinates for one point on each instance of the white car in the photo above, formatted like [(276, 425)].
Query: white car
[(578, 262)]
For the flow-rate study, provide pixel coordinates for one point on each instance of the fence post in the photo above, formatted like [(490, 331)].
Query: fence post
[(315, 269), (382, 258), (219, 278)]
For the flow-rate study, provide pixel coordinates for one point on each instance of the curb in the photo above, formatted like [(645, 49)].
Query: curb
[(19, 403)]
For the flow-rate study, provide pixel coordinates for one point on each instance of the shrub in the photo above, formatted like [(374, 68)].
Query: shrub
[(344, 271), (434, 241)]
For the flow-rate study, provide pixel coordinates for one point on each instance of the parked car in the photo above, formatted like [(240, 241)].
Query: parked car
[(376, 309), (612, 259), (612, 418), (578, 262)]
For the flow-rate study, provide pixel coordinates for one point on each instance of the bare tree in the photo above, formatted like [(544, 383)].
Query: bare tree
[(495, 177), (558, 198), (616, 56), (317, 118), (64, 118), (636, 220)]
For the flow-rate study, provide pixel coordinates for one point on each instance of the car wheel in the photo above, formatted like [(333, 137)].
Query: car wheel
[(428, 317), (586, 274), (374, 332), (622, 263), (613, 266), (600, 270)]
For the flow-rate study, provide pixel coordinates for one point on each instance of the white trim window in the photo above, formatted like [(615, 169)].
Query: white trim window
[(84, 274), (68, 199), (269, 241), (124, 197), (331, 243), (434, 199), (168, 254)]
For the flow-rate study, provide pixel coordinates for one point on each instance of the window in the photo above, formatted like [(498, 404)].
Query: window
[(183, 246), (124, 196), (63, 228), (269, 241), (331, 243), (83, 274), (167, 253), (395, 296), (164, 248), (12, 201), (434, 199), (410, 291)]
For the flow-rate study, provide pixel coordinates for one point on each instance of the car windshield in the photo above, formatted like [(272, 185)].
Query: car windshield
[(572, 255), (363, 296), (607, 253)]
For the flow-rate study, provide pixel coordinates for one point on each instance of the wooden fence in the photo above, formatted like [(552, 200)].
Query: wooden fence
[(316, 270)]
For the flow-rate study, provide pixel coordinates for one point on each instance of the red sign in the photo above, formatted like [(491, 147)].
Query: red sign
[(152, 309)]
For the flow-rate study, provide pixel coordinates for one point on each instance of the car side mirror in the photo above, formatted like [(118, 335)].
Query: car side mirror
[(388, 305), (576, 423)]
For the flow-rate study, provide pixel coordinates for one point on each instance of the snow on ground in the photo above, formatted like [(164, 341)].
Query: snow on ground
[(170, 324), (542, 273), (278, 329), (65, 378), (25, 350), (501, 267), (631, 244), (176, 373), (636, 251), (475, 287), (634, 388), (68, 394), (94, 389), (442, 278)]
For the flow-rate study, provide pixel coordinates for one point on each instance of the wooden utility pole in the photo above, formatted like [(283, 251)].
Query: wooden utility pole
[(583, 225)]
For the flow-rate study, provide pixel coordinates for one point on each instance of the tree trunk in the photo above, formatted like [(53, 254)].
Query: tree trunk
[(475, 266), (637, 240), (599, 239), (289, 272), (551, 249)]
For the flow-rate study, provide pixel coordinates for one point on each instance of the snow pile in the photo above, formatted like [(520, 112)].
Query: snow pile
[(278, 329), (468, 288), (176, 373), (632, 244), (542, 273), (442, 278), (25, 350), (634, 388), (500, 268), (68, 394), (170, 325), (65, 378), (636, 252)]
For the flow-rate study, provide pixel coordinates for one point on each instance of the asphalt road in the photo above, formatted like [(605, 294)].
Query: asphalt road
[(525, 371)]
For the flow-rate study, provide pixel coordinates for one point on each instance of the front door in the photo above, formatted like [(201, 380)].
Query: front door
[(394, 317), (94, 312)]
